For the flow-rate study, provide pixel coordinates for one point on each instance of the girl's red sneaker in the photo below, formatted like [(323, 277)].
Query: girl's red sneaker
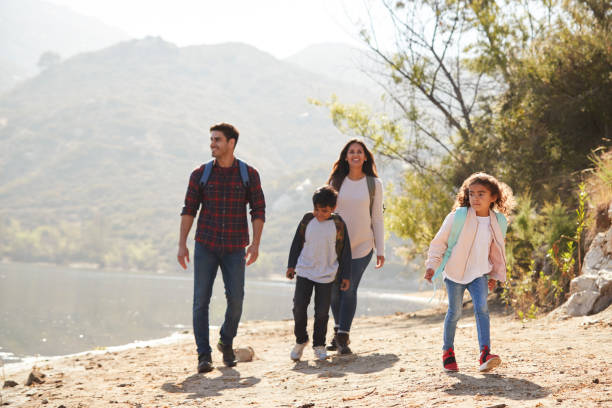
[(448, 360), (488, 361)]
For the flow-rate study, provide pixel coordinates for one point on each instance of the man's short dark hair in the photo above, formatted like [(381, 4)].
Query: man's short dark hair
[(325, 196), (229, 131)]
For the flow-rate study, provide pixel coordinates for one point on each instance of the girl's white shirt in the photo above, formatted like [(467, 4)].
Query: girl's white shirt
[(353, 205), (318, 260), (478, 263)]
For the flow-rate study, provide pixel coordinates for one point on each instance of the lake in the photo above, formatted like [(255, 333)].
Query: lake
[(54, 310)]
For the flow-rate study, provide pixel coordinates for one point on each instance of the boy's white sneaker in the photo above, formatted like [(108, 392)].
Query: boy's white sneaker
[(320, 353), (297, 351)]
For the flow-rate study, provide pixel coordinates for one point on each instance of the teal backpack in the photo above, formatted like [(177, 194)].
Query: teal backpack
[(458, 222)]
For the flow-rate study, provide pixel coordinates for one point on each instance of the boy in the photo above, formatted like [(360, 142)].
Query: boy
[(320, 251)]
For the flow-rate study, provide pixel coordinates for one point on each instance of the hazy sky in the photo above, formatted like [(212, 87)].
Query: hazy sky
[(280, 27)]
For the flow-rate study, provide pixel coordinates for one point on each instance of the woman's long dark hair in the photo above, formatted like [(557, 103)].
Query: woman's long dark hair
[(341, 167)]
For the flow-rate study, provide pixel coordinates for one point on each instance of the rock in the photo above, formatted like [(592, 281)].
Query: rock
[(244, 354), (607, 247), (581, 303), (583, 282), (9, 384), (591, 292), (594, 255), (604, 284), (35, 377)]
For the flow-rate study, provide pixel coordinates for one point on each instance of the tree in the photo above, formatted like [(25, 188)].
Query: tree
[(48, 59), (514, 88)]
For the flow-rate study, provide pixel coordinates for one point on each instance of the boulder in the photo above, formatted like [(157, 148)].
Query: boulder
[(581, 303), (583, 282), (604, 285), (591, 292), (598, 256)]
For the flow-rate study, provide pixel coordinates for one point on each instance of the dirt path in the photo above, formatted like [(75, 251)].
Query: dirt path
[(546, 363)]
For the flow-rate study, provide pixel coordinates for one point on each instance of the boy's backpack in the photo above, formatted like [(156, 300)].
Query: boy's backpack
[(339, 230), (244, 173), (458, 222)]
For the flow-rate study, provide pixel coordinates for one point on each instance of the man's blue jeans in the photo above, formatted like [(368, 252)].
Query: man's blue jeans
[(478, 290), (206, 263), (344, 304)]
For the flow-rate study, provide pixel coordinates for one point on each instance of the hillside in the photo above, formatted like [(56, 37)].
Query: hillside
[(335, 60), (99, 147)]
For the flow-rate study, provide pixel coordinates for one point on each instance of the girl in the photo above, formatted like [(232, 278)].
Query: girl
[(469, 251), (360, 204)]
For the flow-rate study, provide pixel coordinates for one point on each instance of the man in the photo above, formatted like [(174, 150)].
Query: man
[(223, 187)]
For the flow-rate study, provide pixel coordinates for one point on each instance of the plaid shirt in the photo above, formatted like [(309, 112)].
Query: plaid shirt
[(222, 224)]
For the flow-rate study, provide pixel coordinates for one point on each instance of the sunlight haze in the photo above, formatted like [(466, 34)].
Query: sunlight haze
[(279, 27)]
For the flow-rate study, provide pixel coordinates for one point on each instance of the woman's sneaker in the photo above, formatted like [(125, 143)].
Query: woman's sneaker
[(448, 360), (320, 353), (488, 361), (297, 351)]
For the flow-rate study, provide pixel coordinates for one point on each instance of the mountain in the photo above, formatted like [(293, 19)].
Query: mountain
[(96, 151), (29, 28), (339, 61)]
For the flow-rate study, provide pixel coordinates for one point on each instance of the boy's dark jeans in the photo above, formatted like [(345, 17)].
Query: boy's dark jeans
[(301, 300)]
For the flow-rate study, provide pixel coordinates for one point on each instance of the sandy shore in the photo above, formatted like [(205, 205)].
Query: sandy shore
[(546, 363)]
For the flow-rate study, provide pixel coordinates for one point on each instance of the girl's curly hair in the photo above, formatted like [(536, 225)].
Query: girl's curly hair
[(505, 202)]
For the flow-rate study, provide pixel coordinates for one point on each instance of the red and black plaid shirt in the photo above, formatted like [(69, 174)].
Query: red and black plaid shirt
[(222, 224)]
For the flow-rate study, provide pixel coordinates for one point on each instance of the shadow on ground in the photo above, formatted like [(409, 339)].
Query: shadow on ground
[(339, 366), (207, 385), (496, 385), (496, 307)]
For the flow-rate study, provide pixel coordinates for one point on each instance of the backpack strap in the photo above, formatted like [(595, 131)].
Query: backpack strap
[(303, 224), (339, 234), (458, 222), (503, 223), (371, 181), (244, 173), (206, 173)]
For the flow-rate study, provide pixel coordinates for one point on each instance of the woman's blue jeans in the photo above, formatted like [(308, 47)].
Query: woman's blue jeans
[(479, 290), (206, 263), (344, 304)]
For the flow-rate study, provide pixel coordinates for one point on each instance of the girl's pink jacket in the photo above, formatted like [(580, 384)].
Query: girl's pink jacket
[(455, 267)]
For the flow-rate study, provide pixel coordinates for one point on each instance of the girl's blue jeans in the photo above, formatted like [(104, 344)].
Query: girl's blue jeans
[(479, 290), (344, 304)]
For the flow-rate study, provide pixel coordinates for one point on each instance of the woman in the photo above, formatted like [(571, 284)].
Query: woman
[(360, 204)]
